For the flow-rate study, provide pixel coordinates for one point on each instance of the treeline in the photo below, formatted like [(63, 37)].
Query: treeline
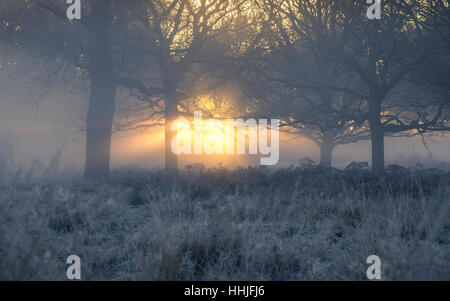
[(322, 67)]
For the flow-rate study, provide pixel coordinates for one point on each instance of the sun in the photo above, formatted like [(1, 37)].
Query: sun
[(214, 135)]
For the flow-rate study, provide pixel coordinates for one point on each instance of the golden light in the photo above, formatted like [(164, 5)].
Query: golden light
[(214, 135)]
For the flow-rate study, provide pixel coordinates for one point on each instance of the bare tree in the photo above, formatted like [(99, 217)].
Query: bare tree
[(384, 53), (95, 48), (381, 54), (175, 34), (293, 79)]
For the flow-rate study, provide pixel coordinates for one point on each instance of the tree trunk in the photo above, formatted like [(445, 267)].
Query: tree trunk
[(171, 161), (376, 99), (99, 128), (326, 152), (377, 136), (102, 98)]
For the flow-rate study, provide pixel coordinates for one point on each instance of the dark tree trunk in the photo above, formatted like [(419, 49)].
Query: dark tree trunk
[(99, 128), (377, 136), (326, 151), (171, 161), (376, 99), (102, 98)]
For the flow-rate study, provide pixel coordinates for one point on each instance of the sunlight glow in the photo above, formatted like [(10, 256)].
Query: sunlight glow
[(213, 134)]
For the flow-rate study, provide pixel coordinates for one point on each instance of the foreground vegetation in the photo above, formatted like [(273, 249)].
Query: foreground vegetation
[(303, 223)]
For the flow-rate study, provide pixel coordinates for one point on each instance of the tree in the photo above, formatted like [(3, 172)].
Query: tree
[(292, 80), (379, 55), (103, 89), (175, 34), (384, 53), (91, 49)]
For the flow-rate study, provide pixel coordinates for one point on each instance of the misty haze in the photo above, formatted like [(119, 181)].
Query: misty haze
[(88, 96)]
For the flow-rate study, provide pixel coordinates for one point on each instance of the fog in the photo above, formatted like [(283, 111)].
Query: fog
[(40, 129), (334, 117)]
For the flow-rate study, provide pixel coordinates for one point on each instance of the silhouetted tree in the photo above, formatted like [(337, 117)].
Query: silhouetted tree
[(94, 48), (384, 53), (175, 34), (294, 78)]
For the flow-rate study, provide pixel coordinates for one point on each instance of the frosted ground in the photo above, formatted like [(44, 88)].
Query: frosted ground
[(302, 223)]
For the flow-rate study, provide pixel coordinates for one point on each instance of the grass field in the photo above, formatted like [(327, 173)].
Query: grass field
[(302, 223)]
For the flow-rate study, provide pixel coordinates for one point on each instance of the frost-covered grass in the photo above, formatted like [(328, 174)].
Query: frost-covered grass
[(308, 223)]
